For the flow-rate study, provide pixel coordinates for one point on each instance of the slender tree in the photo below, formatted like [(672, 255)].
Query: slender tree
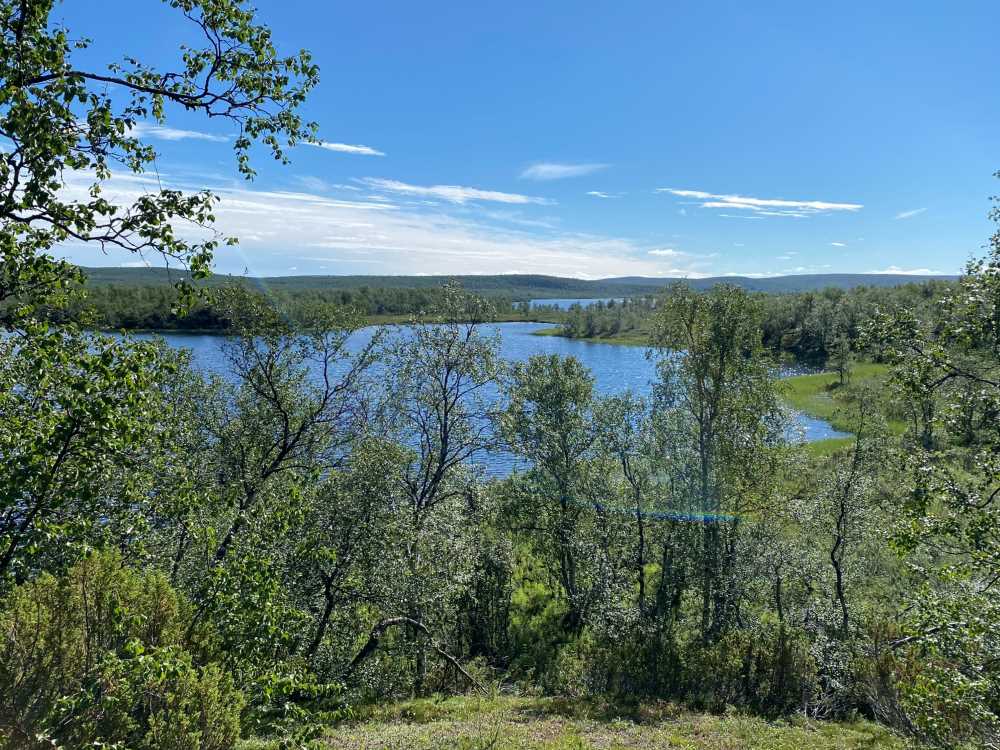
[(714, 371)]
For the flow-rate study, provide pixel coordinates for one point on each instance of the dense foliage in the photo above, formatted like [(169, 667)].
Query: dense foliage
[(321, 536), (158, 307), (816, 328)]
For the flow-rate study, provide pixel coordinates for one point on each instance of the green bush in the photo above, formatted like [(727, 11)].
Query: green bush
[(768, 669), (152, 701), (536, 620), (94, 657)]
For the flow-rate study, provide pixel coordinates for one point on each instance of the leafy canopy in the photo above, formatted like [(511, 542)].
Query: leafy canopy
[(65, 129)]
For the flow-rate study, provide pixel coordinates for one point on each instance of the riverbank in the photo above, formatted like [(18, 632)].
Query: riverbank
[(522, 723), (822, 395)]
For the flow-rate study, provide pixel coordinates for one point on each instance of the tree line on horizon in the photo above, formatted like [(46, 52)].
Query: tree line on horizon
[(809, 328)]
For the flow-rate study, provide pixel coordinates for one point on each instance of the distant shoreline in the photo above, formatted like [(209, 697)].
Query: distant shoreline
[(369, 321)]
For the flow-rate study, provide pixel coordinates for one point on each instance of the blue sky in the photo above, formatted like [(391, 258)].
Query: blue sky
[(598, 139)]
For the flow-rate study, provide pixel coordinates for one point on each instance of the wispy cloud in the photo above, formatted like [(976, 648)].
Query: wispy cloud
[(824, 268), (839, 244), (451, 193), (666, 252), (761, 206), (347, 148), (163, 133), (909, 271), (318, 233), (316, 184), (599, 194), (910, 214), (554, 171), (518, 218)]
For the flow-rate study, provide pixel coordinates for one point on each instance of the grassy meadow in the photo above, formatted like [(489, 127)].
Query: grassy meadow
[(523, 723)]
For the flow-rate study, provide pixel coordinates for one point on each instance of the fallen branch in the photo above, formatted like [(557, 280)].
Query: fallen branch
[(926, 634), (380, 629)]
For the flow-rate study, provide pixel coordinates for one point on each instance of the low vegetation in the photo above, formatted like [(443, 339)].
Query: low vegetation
[(508, 723)]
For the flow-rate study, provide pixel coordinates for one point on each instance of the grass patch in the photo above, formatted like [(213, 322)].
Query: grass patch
[(822, 395), (519, 723), (827, 447)]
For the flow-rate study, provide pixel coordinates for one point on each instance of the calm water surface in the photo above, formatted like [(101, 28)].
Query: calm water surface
[(566, 304), (615, 369)]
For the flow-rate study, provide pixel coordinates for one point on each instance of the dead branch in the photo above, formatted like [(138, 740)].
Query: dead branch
[(379, 631)]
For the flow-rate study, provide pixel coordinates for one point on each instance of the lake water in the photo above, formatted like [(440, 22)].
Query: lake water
[(615, 368), (566, 304)]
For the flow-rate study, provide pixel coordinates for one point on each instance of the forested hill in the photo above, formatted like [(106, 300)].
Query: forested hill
[(517, 287)]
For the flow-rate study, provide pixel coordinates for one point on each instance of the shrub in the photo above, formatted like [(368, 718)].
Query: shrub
[(152, 701), (767, 669), (94, 657)]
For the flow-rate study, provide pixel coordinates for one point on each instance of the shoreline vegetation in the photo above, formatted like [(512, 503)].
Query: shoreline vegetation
[(818, 394), (366, 321), (802, 328)]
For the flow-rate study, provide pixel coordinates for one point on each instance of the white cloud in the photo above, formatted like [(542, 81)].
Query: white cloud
[(319, 233), (552, 171), (761, 206), (666, 253), (909, 271), (346, 148), (839, 244), (599, 194), (910, 214), (450, 193), (152, 130), (751, 274)]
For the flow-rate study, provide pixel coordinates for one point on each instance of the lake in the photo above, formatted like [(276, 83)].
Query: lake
[(566, 304), (615, 368)]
